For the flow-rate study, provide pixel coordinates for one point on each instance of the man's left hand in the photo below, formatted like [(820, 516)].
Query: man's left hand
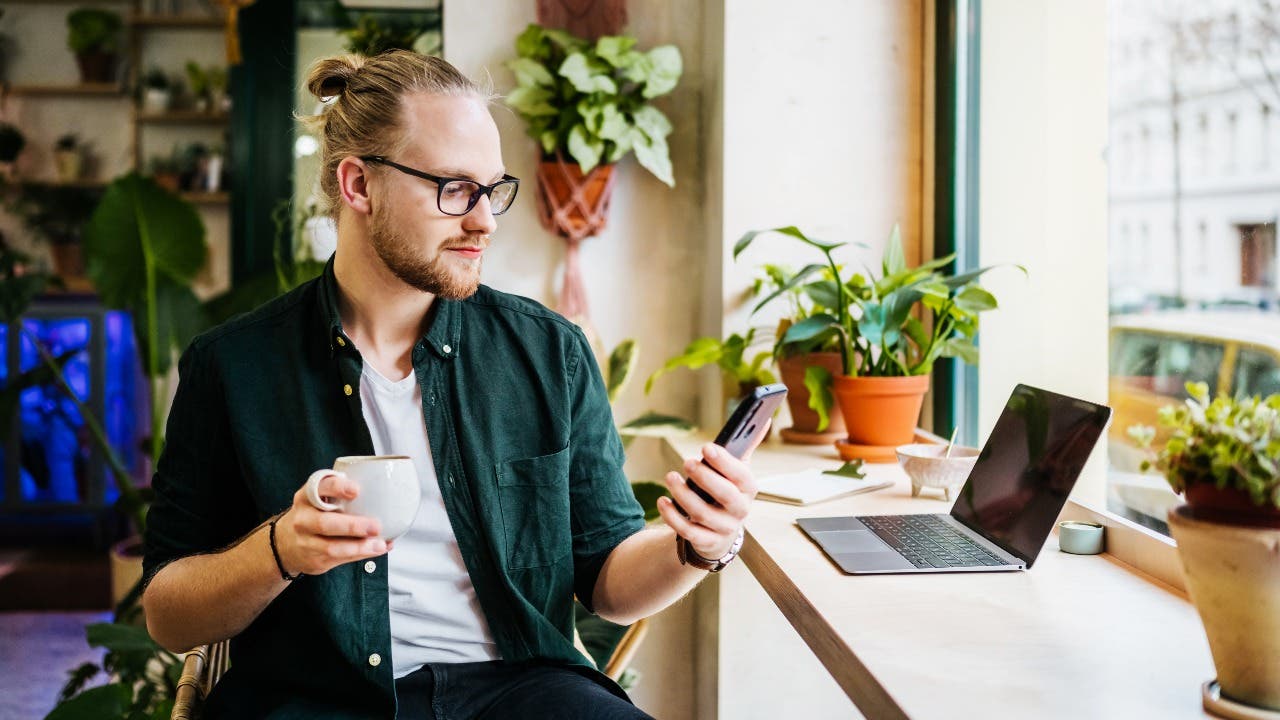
[(710, 529)]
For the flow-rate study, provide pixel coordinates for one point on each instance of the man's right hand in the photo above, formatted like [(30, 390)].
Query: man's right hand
[(312, 541)]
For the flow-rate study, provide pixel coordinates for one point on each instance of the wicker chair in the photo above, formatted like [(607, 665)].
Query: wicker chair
[(204, 665)]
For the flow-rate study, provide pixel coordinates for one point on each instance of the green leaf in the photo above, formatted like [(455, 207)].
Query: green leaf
[(965, 278), (852, 469), (578, 71), (647, 494), (961, 348), (810, 327), (824, 294), (613, 48), (531, 102), (549, 141), (795, 280), (974, 299), (531, 43), (698, 353), (894, 260), (585, 148), (653, 424), (817, 380), (654, 156), (104, 701), (613, 124), (745, 241), (667, 65), (622, 363), (530, 72), (117, 637), (652, 122)]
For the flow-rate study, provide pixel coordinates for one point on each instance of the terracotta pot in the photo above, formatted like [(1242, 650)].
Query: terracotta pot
[(570, 204), (1229, 505), (1233, 577), (804, 420), (68, 259), (97, 67), (881, 411)]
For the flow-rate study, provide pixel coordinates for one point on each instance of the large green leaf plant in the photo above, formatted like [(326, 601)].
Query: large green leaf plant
[(592, 100), (144, 247), (894, 325), (730, 355)]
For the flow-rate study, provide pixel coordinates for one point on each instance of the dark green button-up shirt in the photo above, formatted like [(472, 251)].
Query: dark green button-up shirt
[(525, 450)]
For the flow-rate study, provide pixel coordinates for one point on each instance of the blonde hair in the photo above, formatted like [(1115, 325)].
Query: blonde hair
[(362, 98)]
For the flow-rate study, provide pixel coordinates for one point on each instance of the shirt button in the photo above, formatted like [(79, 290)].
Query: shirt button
[(370, 566), (375, 660), (346, 389), (340, 341), (447, 349)]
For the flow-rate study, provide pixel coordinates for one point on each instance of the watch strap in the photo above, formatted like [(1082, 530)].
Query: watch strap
[(689, 556)]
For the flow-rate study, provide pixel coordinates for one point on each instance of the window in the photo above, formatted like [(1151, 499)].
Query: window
[(1205, 287)]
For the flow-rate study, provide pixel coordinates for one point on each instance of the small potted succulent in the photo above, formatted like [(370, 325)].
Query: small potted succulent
[(157, 91), (93, 34), (68, 158), (1224, 457), (219, 98)]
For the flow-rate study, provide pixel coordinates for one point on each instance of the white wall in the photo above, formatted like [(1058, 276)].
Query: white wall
[(1043, 204)]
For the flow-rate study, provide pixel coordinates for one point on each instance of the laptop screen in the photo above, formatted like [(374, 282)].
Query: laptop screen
[(1027, 468)]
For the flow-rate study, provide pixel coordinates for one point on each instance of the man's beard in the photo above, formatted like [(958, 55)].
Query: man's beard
[(431, 275)]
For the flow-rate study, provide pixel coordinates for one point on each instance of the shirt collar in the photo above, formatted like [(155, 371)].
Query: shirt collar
[(443, 336)]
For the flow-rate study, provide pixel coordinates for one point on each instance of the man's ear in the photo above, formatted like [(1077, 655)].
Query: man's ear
[(353, 184)]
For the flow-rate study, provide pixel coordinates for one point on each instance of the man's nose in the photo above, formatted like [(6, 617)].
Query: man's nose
[(480, 219)]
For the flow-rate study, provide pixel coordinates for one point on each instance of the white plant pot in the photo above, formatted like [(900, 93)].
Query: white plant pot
[(155, 100), (1233, 577), (126, 567)]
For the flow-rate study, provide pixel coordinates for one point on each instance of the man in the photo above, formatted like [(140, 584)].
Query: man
[(396, 348)]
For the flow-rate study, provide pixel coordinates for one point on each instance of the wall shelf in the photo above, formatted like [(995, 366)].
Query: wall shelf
[(183, 117), (178, 22), (207, 198), (107, 90)]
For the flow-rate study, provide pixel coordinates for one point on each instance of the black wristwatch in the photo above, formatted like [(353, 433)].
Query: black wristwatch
[(689, 556)]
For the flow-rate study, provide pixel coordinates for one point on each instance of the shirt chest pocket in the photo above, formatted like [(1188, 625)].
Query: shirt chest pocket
[(534, 496)]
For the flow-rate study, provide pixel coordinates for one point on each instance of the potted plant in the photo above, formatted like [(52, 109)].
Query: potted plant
[(166, 170), (219, 100), (369, 37), (804, 364), (55, 214), (591, 102), (739, 375), (890, 330), (11, 142), (68, 158), (1223, 455), (157, 91), (93, 34)]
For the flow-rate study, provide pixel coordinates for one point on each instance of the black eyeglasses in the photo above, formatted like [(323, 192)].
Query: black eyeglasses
[(456, 196)]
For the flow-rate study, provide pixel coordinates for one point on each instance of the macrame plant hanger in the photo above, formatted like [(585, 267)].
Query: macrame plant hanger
[(573, 206)]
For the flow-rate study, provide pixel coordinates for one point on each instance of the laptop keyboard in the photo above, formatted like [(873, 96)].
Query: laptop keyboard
[(929, 542)]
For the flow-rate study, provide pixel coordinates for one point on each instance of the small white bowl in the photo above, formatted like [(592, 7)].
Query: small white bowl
[(927, 468)]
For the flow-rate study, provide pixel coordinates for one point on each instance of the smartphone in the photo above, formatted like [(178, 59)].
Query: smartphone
[(744, 427)]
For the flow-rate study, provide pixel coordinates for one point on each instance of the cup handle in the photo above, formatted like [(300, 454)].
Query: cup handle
[(313, 490)]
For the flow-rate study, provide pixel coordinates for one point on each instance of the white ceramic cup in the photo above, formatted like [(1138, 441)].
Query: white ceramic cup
[(389, 490)]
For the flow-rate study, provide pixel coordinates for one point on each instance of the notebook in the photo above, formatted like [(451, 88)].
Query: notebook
[(812, 486)]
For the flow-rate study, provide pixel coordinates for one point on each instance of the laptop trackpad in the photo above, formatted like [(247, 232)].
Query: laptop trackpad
[(839, 542)]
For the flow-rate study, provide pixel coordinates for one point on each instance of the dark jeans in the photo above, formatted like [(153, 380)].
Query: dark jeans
[(498, 691)]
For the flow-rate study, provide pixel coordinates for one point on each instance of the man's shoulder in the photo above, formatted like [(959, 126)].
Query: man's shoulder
[(519, 309), (264, 322)]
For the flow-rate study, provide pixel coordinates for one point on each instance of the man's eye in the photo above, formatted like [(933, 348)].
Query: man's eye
[(459, 189)]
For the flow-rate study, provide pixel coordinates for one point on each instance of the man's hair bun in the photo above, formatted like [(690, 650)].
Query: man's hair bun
[(332, 76)]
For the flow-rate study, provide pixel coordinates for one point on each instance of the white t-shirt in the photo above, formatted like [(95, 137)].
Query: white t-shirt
[(435, 616)]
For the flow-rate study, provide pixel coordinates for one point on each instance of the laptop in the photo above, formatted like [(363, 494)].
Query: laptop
[(1006, 509)]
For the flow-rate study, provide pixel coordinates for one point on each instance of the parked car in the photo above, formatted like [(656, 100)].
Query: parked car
[(1154, 355)]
